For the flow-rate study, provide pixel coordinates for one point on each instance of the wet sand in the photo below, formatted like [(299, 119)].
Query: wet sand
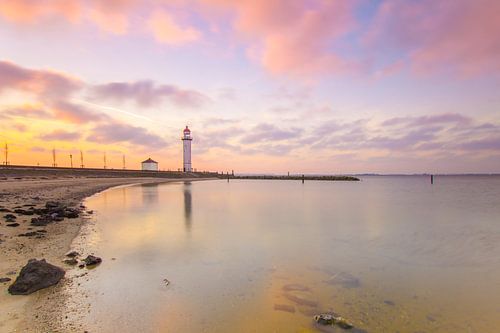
[(36, 312)]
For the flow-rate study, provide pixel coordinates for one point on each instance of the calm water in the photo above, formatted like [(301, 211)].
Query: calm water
[(389, 253)]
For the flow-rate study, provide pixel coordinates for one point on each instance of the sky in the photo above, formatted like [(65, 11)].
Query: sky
[(266, 86)]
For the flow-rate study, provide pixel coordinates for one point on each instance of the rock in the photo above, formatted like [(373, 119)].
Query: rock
[(70, 261), (5, 279), (53, 204), (41, 221), (389, 302), (5, 210), (72, 254), (10, 218), (332, 319), (24, 211), (345, 280), (13, 225), (295, 287), (71, 213), (28, 234), (36, 275), (92, 260), (301, 301), (284, 307), (166, 281)]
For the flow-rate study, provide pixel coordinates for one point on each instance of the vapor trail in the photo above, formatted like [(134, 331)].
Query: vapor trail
[(109, 108)]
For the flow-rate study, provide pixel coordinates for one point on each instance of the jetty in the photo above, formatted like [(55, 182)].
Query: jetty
[(291, 177)]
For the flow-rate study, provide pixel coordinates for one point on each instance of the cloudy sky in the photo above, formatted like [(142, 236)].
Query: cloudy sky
[(309, 86)]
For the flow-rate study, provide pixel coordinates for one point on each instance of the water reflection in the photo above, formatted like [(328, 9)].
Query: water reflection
[(187, 205), (149, 194), (388, 253)]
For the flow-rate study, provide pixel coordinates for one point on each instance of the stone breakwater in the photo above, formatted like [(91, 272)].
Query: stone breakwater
[(294, 177)]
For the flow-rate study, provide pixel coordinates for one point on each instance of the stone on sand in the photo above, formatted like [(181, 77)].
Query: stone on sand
[(36, 275)]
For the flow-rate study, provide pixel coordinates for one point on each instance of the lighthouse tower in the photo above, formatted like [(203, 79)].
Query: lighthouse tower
[(186, 143)]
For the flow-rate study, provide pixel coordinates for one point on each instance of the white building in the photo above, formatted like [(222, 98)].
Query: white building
[(149, 165), (186, 143)]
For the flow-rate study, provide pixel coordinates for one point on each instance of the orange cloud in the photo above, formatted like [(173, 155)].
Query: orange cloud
[(165, 30), (30, 11), (110, 15)]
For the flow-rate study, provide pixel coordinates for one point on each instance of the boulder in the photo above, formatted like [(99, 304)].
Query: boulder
[(36, 275)]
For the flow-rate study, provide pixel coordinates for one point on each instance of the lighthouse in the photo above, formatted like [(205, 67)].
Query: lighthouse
[(186, 143)]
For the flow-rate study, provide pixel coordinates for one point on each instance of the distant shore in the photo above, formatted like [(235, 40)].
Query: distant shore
[(22, 189)]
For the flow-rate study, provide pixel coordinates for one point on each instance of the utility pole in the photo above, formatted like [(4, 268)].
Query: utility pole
[(81, 158), (104, 160), (124, 162), (54, 157), (71, 160), (6, 154)]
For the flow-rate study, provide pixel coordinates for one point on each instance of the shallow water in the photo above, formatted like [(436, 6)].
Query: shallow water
[(389, 253)]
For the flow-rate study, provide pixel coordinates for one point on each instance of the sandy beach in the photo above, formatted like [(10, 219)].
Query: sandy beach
[(36, 312)]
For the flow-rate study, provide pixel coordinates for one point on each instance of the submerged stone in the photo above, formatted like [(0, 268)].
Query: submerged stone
[(284, 307), (345, 280), (331, 319), (36, 275)]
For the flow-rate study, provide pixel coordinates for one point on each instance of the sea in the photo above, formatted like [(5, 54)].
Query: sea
[(387, 253)]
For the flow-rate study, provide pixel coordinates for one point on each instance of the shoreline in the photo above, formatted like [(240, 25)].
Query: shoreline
[(35, 312)]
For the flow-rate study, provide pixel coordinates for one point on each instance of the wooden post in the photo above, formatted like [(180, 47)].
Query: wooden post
[(303, 178), (432, 179)]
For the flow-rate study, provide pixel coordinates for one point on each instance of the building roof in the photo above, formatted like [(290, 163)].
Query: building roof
[(149, 160)]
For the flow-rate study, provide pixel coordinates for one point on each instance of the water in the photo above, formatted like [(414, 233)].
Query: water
[(392, 254)]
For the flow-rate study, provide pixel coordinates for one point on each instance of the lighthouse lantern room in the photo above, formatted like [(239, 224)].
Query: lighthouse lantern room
[(186, 143)]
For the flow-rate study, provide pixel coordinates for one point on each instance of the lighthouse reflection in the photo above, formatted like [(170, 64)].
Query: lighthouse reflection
[(149, 194), (188, 205)]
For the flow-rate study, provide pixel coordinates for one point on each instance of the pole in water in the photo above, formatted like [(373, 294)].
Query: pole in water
[(432, 179), (303, 178)]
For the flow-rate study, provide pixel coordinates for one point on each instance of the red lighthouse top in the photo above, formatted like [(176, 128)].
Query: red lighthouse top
[(187, 130)]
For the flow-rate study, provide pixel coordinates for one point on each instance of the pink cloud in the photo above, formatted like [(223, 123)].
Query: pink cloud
[(43, 82), (166, 30), (292, 36), (148, 93), (456, 35), (61, 135)]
